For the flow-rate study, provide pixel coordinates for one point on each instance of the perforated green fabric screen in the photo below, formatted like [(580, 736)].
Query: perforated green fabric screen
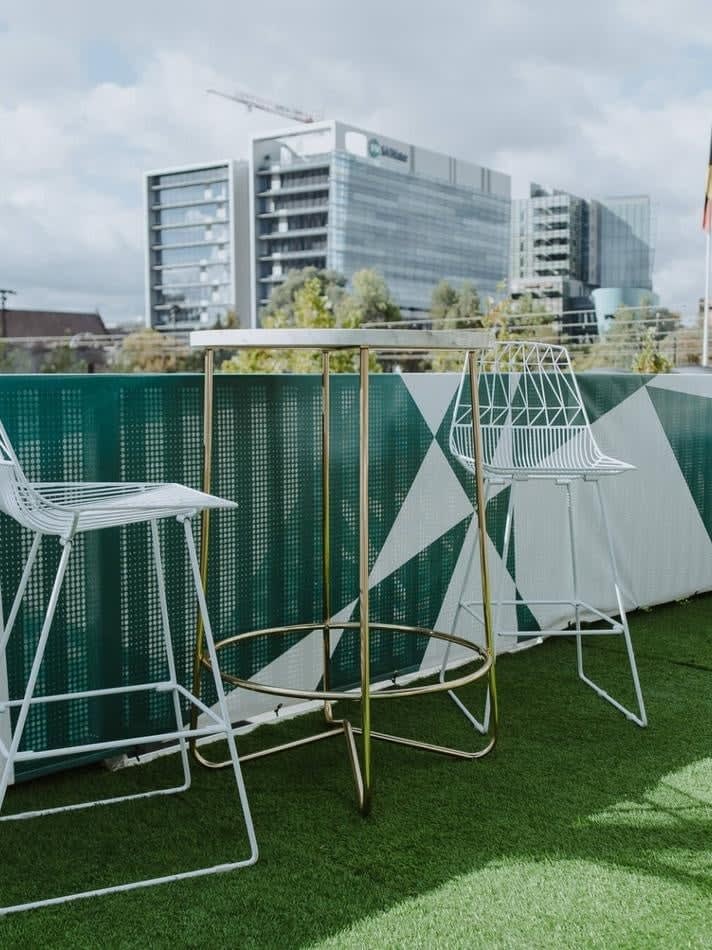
[(265, 557)]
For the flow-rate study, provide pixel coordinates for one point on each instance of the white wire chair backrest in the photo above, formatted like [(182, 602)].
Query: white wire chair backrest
[(18, 497), (532, 416), (7, 453)]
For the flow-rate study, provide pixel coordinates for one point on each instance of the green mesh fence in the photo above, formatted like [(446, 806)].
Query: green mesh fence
[(265, 557)]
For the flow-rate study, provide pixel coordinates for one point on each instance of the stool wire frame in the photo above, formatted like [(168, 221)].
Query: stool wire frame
[(64, 510), (534, 426)]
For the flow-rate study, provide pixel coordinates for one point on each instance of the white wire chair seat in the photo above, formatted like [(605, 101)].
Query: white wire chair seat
[(536, 452), (532, 417), (69, 508), (57, 508), (534, 425)]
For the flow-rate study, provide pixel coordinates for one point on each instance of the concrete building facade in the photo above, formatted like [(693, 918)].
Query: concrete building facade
[(575, 254), (197, 244)]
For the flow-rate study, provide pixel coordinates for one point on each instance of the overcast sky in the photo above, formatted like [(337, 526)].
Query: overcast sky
[(604, 98)]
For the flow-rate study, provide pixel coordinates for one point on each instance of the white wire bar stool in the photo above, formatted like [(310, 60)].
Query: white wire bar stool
[(63, 511), (534, 426)]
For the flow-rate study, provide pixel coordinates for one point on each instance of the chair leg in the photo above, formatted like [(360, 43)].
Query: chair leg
[(37, 661), (482, 726), (80, 806), (170, 657), (24, 709), (222, 701), (6, 628), (574, 577), (640, 718)]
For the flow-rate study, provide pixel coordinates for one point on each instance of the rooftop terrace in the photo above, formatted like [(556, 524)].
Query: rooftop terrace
[(580, 830)]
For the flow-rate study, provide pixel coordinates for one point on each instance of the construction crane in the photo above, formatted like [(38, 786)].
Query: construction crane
[(266, 105)]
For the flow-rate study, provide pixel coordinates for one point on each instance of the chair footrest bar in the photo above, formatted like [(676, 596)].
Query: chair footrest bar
[(81, 806), (135, 885), (558, 632), (161, 686), (32, 755), (574, 604)]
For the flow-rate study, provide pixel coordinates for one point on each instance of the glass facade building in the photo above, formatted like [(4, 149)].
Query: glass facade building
[(196, 253), (338, 197), (550, 249), (565, 248), (415, 231), (625, 248)]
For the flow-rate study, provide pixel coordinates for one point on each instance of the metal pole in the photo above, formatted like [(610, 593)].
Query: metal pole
[(204, 547), (344, 724), (706, 306), (363, 579), (325, 520), (481, 502)]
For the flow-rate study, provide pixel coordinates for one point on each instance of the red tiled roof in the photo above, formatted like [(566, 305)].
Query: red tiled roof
[(51, 323)]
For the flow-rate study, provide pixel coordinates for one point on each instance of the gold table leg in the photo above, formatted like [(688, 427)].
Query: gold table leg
[(326, 520), (363, 581), (343, 724), (481, 507), (208, 390)]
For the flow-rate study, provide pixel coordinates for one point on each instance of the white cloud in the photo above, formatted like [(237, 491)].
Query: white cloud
[(609, 98)]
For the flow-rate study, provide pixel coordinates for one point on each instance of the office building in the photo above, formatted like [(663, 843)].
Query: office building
[(335, 196), (197, 245), (551, 257), (574, 254), (625, 255)]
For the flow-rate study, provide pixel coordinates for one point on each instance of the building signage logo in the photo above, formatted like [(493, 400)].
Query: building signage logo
[(377, 149)]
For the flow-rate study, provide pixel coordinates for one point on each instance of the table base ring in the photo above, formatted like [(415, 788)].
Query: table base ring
[(324, 695), (344, 726)]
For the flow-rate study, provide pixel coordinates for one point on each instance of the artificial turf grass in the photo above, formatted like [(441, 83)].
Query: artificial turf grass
[(581, 829)]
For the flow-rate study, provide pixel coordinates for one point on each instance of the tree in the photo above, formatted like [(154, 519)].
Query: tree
[(63, 359), (231, 321), (332, 286), (443, 301), (519, 318), (148, 351), (309, 308), (468, 311), (632, 340), (686, 345), (369, 301), (650, 359), (14, 359), (454, 308), (509, 318)]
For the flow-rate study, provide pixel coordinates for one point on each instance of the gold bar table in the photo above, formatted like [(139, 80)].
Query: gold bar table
[(365, 342)]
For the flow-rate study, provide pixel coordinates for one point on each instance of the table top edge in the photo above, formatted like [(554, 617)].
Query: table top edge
[(386, 339)]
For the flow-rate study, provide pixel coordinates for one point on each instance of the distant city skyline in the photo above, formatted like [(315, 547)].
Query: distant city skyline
[(610, 100), (327, 195)]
